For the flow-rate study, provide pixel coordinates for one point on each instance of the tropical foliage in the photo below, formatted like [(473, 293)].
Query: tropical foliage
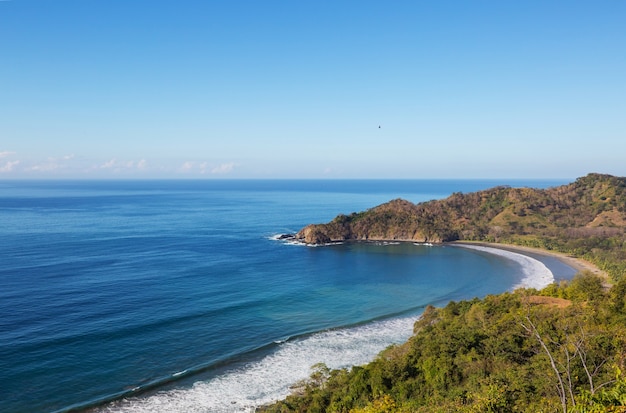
[(586, 219), (562, 349)]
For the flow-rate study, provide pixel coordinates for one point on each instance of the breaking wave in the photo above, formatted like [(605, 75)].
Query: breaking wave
[(270, 378), (536, 274)]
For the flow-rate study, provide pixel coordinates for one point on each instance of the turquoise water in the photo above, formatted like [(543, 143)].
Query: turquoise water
[(176, 296)]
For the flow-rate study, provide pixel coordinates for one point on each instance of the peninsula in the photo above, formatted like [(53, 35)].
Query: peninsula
[(560, 349), (579, 219)]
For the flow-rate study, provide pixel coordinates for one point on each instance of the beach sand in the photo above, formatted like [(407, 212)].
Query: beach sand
[(576, 263)]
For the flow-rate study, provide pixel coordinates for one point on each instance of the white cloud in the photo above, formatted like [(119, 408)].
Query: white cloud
[(116, 166), (223, 168), (71, 164), (109, 164), (4, 154), (205, 168), (9, 166), (187, 166), (44, 167)]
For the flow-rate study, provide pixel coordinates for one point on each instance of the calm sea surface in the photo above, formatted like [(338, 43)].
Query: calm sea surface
[(175, 295)]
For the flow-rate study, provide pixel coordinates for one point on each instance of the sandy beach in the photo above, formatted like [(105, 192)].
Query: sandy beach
[(576, 263)]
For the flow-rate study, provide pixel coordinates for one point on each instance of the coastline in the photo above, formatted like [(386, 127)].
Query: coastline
[(537, 278), (577, 264), (247, 389)]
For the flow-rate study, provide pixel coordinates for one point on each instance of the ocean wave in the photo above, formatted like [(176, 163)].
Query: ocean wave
[(536, 274), (290, 239), (244, 388), (269, 379), (286, 238)]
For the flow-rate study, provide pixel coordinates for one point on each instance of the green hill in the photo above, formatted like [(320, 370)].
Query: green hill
[(586, 218), (562, 349)]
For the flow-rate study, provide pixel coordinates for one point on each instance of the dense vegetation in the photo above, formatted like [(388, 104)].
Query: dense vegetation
[(562, 349), (586, 219)]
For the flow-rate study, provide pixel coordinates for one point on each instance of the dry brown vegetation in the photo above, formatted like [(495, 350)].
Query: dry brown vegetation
[(586, 219), (549, 301)]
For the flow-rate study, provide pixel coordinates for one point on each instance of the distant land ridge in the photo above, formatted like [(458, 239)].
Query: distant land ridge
[(593, 206)]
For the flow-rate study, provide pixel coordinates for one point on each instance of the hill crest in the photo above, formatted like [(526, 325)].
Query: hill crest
[(591, 206)]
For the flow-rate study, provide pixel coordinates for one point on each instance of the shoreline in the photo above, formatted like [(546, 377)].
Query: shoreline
[(577, 264), (225, 391), (536, 273)]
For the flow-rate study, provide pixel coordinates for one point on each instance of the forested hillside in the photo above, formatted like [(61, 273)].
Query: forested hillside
[(562, 349), (586, 218)]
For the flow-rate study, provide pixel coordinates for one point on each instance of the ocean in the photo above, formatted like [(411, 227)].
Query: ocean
[(177, 296)]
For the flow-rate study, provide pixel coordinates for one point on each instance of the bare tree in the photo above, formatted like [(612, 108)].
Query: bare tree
[(569, 348), (532, 329)]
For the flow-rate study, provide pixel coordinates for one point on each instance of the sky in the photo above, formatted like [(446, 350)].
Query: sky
[(108, 89)]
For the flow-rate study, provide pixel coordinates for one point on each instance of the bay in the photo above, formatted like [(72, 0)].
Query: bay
[(129, 295)]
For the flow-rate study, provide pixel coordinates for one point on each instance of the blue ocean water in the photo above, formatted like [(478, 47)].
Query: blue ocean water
[(176, 296)]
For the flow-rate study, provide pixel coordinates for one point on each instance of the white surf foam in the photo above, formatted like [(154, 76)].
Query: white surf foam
[(536, 274), (269, 379), (286, 241)]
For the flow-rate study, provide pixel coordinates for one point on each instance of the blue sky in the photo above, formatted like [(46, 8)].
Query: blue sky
[(295, 89)]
